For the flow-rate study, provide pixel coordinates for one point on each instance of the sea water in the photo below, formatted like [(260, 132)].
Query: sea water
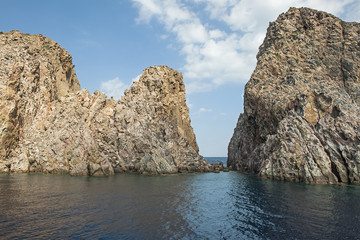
[(226, 205)]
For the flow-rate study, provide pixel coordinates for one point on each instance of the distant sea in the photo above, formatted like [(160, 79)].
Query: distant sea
[(226, 205), (216, 160)]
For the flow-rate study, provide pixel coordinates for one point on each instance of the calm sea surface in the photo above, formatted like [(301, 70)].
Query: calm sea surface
[(194, 206)]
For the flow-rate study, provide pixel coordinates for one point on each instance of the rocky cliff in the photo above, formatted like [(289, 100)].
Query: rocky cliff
[(48, 125), (301, 106)]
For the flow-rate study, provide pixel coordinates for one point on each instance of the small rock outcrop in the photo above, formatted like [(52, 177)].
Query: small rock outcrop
[(301, 119), (47, 124)]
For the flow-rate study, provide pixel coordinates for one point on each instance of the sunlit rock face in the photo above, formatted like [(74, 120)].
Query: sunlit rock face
[(301, 105), (47, 124)]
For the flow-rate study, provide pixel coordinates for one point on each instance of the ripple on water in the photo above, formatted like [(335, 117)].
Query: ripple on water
[(194, 206)]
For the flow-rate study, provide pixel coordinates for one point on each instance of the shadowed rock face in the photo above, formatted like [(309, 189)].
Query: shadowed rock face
[(301, 105), (48, 125)]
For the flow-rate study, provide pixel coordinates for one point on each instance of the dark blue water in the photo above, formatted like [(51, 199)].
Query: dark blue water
[(194, 206)]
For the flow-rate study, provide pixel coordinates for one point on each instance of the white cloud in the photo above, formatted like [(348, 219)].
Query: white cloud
[(199, 111), (216, 34), (169, 12), (254, 15), (203, 110), (352, 12), (198, 86), (335, 7), (217, 55), (193, 32), (114, 88), (137, 78), (148, 8)]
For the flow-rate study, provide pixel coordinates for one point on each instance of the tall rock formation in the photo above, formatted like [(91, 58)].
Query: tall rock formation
[(48, 125), (301, 119)]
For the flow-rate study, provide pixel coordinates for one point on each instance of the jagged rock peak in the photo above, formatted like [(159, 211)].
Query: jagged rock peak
[(39, 57), (301, 105), (34, 71), (48, 125), (163, 84)]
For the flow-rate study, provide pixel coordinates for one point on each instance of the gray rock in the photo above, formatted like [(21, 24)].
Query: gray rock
[(49, 125), (301, 105)]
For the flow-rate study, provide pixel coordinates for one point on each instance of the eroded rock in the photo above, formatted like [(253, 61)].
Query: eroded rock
[(301, 105), (48, 125)]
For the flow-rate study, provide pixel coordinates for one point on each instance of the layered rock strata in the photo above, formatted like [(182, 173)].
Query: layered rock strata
[(301, 106), (49, 125)]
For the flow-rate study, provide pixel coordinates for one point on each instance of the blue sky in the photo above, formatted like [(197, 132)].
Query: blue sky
[(212, 42)]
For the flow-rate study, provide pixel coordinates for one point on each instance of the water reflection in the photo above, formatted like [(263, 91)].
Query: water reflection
[(196, 206), (239, 206)]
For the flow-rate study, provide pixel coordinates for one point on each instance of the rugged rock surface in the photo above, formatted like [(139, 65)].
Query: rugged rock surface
[(48, 125), (301, 106)]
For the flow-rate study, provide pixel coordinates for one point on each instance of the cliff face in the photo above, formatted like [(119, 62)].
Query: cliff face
[(301, 106), (48, 125), (34, 71)]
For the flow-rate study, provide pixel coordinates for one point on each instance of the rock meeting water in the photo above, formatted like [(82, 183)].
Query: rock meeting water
[(228, 205)]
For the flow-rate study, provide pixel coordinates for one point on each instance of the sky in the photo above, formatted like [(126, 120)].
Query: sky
[(212, 42)]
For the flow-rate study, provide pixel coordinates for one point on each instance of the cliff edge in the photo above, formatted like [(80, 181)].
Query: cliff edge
[(301, 106), (47, 124)]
